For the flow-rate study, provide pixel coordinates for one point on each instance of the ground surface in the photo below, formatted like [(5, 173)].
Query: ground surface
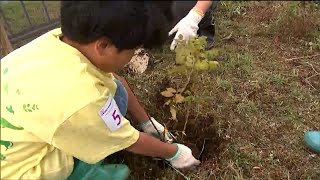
[(261, 101)]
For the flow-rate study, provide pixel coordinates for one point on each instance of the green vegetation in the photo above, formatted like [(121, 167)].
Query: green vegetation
[(18, 21)]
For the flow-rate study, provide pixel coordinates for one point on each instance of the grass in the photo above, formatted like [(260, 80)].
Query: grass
[(18, 21), (260, 102)]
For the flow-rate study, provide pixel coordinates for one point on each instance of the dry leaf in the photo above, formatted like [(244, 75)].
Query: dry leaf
[(256, 168), (179, 98), (171, 90), (180, 90), (173, 112), (228, 37), (187, 92), (168, 102), (167, 94)]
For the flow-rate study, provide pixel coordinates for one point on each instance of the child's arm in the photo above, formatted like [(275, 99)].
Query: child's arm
[(179, 155), (134, 108), (150, 146), (138, 113)]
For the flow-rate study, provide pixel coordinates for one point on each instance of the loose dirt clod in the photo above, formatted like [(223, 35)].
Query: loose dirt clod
[(139, 62)]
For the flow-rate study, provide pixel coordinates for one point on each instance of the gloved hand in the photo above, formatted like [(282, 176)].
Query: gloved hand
[(187, 27), (183, 158), (148, 128)]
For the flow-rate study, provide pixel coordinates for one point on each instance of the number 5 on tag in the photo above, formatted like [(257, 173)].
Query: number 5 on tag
[(111, 115)]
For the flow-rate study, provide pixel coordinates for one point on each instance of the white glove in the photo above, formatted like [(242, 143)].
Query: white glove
[(187, 27), (183, 158), (148, 128)]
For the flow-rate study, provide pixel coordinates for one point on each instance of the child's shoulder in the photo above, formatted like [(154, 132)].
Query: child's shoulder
[(46, 45)]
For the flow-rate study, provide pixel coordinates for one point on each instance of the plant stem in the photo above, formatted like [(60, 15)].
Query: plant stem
[(185, 123)]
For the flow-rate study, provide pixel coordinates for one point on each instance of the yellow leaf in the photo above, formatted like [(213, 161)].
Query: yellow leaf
[(167, 94), (171, 90), (173, 112), (179, 98)]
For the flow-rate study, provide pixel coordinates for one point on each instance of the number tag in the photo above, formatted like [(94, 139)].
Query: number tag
[(111, 115)]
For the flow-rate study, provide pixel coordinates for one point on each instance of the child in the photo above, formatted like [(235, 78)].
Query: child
[(60, 99)]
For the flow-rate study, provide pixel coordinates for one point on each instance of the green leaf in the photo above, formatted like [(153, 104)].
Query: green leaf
[(18, 92), (6, 88), (5, 71), (7, 144), (10, 109), (24, 108), (178, 70), (2, 157), (6, 124)]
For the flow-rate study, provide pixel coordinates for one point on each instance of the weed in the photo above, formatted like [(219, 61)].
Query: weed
[(241, 64), (234, 9), (313, 45), (289, 114), (224, 84), (293, 22), (247, 107), (273, 160), (276, 79)]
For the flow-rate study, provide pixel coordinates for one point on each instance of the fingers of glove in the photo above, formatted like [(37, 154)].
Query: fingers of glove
[(192, 164), (167, 138), (186, 35), (149, 127), (195, 162), (157, 124), (170, 135), (190, 35), (188, 164), (185, 158), (176, 38), (156, 135), (174, 29), (173, 44)]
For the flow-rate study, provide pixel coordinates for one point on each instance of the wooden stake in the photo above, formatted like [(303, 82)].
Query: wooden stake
[(5, 45)]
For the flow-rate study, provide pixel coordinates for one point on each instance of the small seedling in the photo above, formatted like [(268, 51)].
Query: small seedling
[(191, 61)]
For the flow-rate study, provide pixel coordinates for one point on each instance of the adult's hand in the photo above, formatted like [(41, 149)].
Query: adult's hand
[(187, 27)]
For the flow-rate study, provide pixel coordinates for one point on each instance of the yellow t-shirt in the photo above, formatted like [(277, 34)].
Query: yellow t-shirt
[(52, 98)]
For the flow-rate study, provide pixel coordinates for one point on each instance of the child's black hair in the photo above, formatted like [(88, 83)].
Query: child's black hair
[(128, 24)]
